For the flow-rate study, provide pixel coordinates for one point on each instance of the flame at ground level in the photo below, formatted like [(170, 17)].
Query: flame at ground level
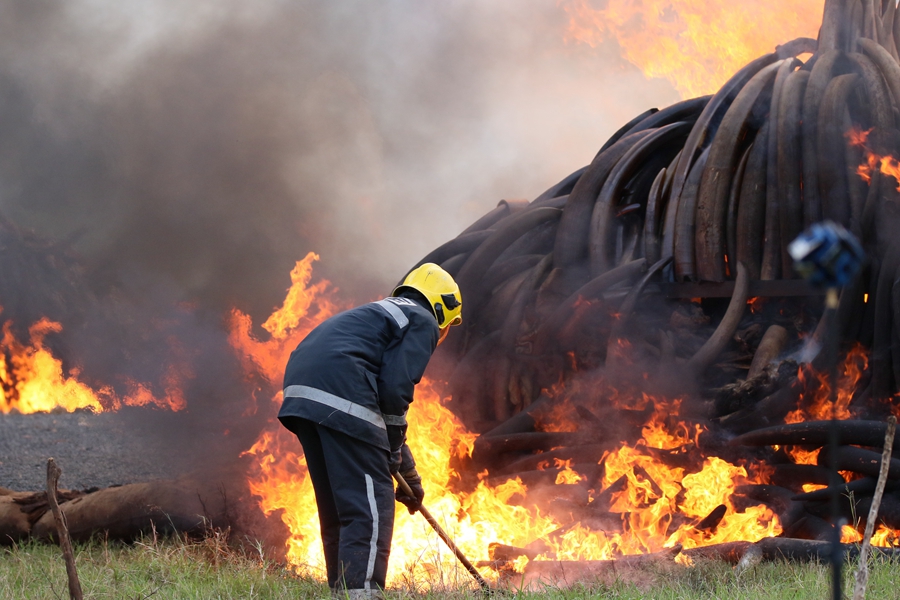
[(658, 506), (488, 514), (32, 380)]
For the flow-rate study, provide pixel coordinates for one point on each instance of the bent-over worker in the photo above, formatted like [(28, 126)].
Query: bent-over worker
[(347, 387)]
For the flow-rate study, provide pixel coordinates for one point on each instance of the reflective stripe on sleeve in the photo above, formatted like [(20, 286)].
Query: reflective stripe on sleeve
[(399, 420), (393, 310), (335, 402)]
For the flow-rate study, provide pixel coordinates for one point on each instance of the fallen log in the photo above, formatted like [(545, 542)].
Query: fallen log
[(129, 511), (730, 552), (14, 523), (809, 550), (567, 573)]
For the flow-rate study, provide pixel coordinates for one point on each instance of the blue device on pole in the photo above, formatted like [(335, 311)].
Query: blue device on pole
[(827, 255)]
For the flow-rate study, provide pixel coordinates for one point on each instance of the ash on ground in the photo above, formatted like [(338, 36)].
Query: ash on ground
[(93, 450)]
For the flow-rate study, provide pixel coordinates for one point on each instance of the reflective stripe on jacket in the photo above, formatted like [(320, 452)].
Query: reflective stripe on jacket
[(356, 371)]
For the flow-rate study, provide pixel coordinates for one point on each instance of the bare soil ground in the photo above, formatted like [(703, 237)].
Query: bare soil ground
[(93, 450)]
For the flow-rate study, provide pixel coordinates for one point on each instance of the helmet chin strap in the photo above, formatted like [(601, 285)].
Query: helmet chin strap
[(444, 333)]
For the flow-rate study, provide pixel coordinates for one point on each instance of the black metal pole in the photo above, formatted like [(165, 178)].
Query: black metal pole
[(832, 347)]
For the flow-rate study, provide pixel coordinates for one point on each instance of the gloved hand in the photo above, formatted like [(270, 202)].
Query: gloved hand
[(414, 481)]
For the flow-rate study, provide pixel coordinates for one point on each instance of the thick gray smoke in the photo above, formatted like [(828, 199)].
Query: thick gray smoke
[(193, 151), (203, 147)]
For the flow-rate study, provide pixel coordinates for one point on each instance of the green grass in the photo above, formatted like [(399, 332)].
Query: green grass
[(210, 569)]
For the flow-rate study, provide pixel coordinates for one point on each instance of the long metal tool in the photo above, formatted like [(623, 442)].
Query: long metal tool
[(485, 586)]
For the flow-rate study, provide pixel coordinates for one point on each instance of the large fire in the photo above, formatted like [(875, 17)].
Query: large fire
[(33, 380), (658, 506), (695, 44), (649, 503)]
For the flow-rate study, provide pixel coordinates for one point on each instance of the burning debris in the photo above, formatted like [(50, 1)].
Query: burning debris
[(599, 356), (607, 360), (639, 368)]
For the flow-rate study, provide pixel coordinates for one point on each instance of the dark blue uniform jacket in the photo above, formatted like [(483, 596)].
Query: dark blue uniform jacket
[(356, 371)]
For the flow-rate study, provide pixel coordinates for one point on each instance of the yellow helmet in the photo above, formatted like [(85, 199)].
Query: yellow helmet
[(441, 291)]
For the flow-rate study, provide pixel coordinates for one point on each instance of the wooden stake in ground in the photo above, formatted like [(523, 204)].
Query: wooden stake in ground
[(53, 473), (862, 574)]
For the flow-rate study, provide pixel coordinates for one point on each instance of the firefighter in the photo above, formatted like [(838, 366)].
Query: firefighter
[(347, 387)]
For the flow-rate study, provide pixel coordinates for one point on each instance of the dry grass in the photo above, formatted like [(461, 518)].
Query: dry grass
[(211, 568)]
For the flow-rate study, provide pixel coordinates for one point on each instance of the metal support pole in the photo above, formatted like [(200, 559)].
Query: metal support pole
[(832, 347)]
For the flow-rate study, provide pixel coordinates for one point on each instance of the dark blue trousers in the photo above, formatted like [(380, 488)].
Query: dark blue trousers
[(355, 497)]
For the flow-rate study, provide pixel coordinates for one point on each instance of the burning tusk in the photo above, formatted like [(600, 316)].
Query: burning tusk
[(722, 335)]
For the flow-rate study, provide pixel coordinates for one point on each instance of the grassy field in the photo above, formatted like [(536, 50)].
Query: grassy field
[(209, 569)]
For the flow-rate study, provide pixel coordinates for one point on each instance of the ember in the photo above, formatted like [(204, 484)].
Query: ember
[(639, 369)]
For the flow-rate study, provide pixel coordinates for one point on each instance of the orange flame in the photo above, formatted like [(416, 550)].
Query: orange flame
[(872, 161), (287, 326), (695, 44), (849, 535), (885, 537), (658, 506), (32, 380), (566, 475), (819, 405), (560, 417)]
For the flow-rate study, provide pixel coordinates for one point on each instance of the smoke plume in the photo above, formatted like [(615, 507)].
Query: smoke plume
[(190, 153)]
